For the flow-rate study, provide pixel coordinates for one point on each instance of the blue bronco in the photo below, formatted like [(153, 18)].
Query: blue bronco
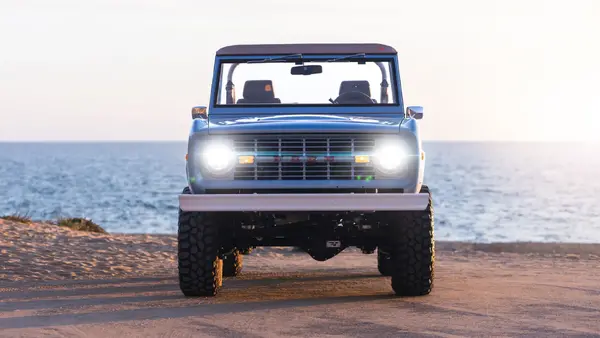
[(318, 153)]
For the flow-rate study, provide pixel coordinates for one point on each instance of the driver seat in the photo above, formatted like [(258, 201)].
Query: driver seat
[(356, 86), (258, 91)]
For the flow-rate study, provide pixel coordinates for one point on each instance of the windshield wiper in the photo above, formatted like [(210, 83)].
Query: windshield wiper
[(361, 55), (279, 58)]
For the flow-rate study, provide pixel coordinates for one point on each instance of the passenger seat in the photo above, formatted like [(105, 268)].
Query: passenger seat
[(258, 91)]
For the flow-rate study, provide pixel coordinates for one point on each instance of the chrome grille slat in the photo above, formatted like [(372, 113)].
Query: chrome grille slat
[(279, 162), (328, 166), (255, 163), (296, 157), (352, 169), (304, 155)]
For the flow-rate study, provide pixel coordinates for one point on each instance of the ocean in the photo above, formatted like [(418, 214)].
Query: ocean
[(483, 192)]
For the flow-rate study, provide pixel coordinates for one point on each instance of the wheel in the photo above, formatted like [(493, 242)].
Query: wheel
[(233, 263), (413, 251), (384, 262), (200, 270)]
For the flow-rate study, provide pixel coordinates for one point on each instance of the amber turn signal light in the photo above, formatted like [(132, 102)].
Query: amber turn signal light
[(362, 159), (246, 159)]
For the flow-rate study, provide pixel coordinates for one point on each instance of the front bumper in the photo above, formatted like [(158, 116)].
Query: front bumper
[(304, 202)]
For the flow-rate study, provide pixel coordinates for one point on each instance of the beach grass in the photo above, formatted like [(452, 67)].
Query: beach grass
[(80, 224), (17, 218), (73, 223)]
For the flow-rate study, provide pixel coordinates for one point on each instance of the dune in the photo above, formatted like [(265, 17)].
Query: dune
[(56, 281)]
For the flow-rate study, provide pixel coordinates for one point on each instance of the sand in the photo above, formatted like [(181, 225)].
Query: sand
[(55, 282)]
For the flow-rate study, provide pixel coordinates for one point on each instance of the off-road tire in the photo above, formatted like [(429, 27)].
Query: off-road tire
[(413, 251), (232, 264), (384, 263), (200, 270)]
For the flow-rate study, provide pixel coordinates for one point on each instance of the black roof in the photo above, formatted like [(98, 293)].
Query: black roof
[(307, 48)]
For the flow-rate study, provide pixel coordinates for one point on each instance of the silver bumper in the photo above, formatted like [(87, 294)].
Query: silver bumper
[(304, 202)]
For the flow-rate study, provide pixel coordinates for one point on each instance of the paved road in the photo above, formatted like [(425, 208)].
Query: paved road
[(483, 294)]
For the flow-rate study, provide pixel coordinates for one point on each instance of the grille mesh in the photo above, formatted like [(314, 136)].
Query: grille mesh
[(304, 158)]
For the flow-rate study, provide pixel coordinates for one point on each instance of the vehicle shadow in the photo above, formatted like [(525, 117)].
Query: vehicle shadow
[(134, 285), (87, 302)]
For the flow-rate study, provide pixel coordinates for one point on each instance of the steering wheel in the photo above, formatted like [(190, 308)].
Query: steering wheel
[(353, 97)]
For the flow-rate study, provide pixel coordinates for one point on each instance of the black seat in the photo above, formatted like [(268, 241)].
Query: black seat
[(259, 91), (355, 86)]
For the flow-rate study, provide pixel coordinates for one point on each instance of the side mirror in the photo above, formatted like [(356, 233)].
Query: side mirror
[(416, 112), (199, 112)]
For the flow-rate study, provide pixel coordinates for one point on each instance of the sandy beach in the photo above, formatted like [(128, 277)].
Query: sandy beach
[(56, 282)]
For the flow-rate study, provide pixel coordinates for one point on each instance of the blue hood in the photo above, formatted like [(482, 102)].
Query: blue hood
[(304, 123)]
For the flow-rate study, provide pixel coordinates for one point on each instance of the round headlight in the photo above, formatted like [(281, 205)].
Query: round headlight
[(218, 158), (390, 157)]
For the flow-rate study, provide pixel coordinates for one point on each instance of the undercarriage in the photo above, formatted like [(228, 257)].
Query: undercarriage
[(212, 244), (321, 235)]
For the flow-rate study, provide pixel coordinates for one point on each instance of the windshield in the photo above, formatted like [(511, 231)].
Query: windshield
[(293, 79)]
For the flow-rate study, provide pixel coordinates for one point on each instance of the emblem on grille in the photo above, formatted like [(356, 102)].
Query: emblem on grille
[(295, 159)]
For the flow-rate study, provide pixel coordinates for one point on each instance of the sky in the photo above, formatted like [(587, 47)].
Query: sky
[(506, 70)]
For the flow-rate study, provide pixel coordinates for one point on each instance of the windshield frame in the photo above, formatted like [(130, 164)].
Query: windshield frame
[(394, 82)]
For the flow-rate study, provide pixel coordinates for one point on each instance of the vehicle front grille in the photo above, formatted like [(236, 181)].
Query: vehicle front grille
[(304, 158)]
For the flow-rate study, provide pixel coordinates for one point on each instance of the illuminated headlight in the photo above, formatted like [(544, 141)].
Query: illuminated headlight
[(218, 158), (390, 157)]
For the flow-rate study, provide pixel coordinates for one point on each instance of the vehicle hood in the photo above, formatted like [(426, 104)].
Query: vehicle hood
[(304, 123)]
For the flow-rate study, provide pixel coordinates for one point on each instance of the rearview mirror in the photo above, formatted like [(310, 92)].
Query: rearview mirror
[(307, 70), (199, 112), (416, 112)]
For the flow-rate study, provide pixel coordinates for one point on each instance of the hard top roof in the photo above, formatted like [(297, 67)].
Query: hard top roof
[(307, 48)]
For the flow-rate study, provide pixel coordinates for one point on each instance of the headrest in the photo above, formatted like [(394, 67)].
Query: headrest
[(355, 86), (259, 90)]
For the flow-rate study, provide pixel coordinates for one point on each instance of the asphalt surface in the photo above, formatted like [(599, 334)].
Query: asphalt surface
[(475, 294)]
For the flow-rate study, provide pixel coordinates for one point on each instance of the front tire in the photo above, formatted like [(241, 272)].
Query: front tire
[(413, 251), (200, 270)]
